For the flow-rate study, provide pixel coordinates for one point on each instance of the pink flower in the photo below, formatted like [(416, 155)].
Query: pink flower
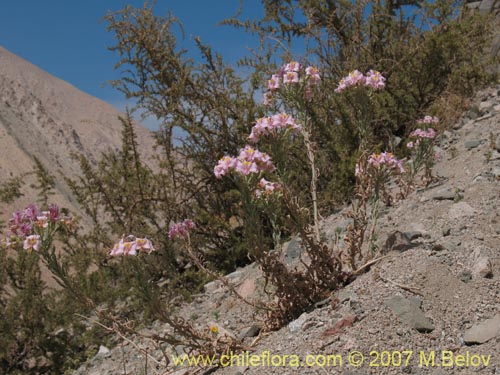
[(189, 224), (428, 120), (53, 213), (292, 66), (42, 221), (145, 245), (274, 82), (353, 79), (31, 212), (250, 160), (32, 242), (181, 229), (224, 166), (265, 187), (129, 247), (386, 159), (375, 80), (268, 99), (410, 145), (291, 77), (356, 77), (375, 160), (313, 74), (245, 167), (429, 133), (116, 250)]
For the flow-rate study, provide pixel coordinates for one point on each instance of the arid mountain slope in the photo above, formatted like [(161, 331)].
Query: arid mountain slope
[(44, 117), (436, 291)]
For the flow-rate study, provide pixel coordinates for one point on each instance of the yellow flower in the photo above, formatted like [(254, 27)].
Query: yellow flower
[(214, 330)]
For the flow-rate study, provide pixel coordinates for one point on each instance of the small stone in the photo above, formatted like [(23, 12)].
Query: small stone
[(410, 313), (398, 241), (296, 325), (443, 194), (344, 295), (438, 247), (293, 250), (465, 276), (486, 106), (460, 210), (469, 145), (483, 332), (413, 235), (251, 331), (103, 352), (247, 288), (212, 286), (473, 113), (483, 268), (495, 172), (446, 232)]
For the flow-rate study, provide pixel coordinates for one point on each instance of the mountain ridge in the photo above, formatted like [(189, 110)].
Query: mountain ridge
[(46, 117)]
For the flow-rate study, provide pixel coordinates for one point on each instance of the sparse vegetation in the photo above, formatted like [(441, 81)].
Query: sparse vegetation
[(315, 129)]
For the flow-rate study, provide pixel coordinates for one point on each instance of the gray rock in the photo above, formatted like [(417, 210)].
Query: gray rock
[(443, 194), (103, 352), (413, 235), (473, 113), (212, 286), (483, 332), (447, 134), (398, 241), (251, 331), (495, 172), (482, 267), (410, 313), (293, 250), (343, 295), (461, 210), (486, 106), (469, 145), (465, 276)]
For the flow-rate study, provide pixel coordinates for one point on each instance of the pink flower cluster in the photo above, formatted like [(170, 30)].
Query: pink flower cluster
[(385, 160), (292, 73), (373, 79), (181, 229), (270, 125), (249, 161), (421, 134), (428, 120), (265, 187), (131, 245), (25, 224)]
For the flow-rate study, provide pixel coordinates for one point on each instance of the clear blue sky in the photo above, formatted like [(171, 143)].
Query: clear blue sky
[(67, 39)]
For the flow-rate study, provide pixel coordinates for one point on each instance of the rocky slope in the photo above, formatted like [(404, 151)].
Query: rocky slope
[(44, 117), (437, 290)]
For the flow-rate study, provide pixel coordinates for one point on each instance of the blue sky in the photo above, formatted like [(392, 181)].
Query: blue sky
[(67, 39)]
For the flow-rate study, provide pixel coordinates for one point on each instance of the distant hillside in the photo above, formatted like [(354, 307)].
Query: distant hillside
[(44, 117)]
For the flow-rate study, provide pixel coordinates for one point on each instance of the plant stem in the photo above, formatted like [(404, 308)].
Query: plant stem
[(314, 179)]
